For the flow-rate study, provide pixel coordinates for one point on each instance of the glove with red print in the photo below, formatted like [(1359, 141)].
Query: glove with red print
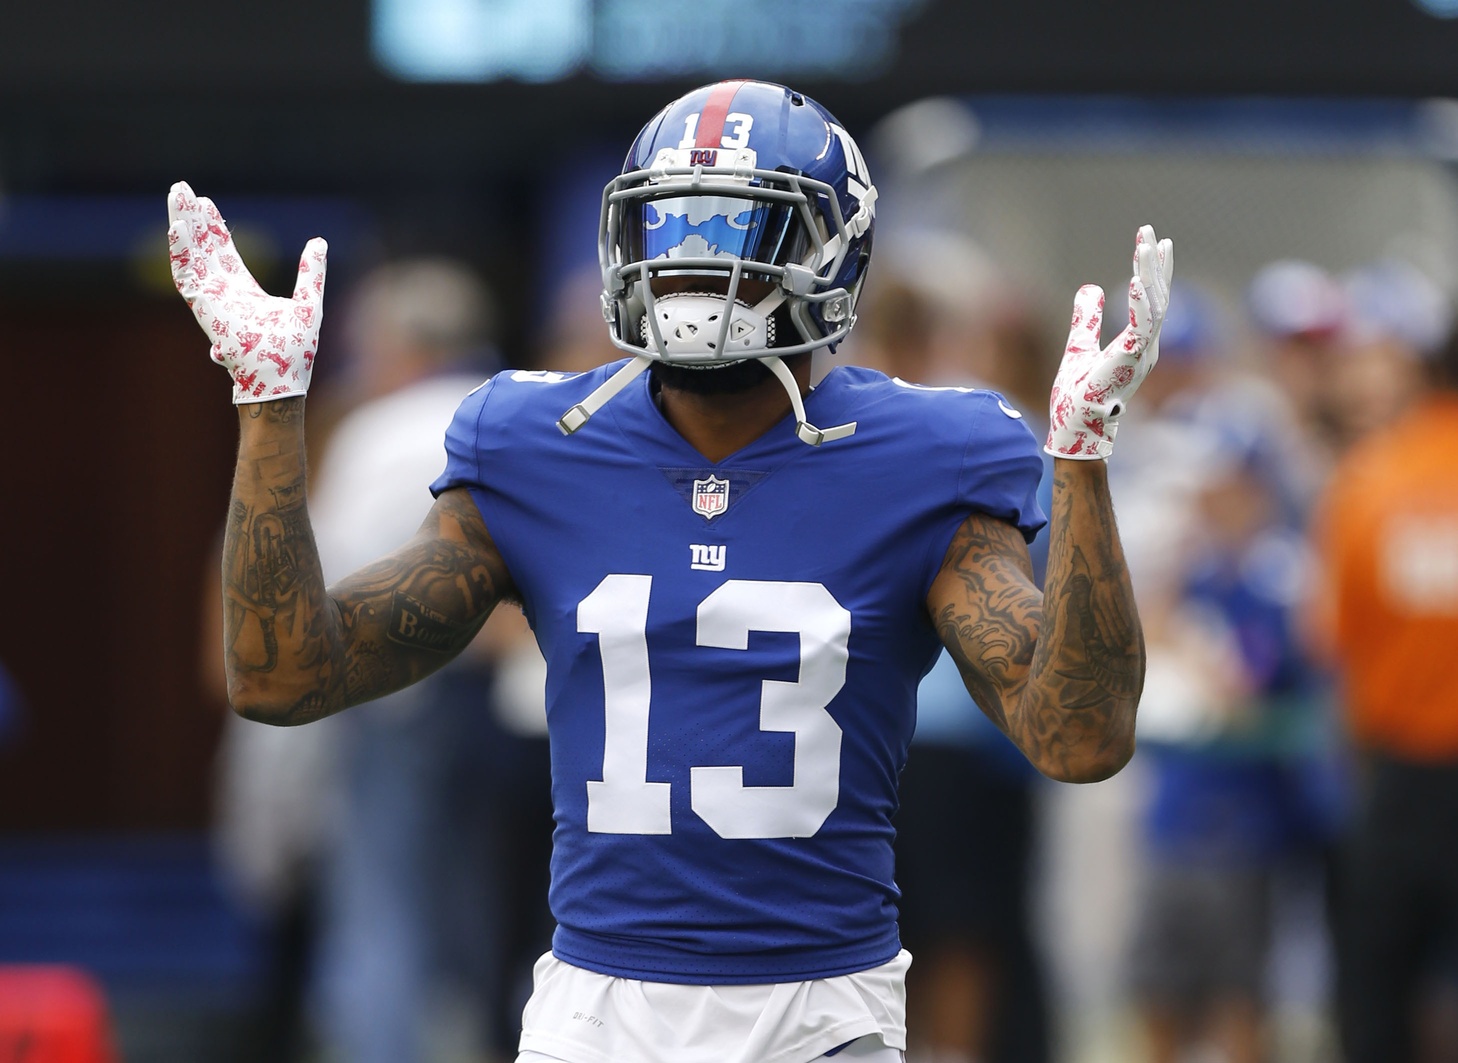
[(1093, 386), (267, 343)]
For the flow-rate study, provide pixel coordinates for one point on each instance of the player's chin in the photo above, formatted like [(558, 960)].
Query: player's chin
[(726, 378)]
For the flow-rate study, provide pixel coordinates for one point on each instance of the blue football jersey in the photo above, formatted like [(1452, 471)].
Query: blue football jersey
[(733, 652)]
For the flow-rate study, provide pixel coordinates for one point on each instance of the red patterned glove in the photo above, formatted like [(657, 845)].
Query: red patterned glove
[(265, 342), (1093, 386)]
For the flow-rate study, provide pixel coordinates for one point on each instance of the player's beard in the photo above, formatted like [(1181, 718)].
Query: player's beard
[(730, 378)]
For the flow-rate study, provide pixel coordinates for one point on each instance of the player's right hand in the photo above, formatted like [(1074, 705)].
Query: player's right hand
[(267, 343)]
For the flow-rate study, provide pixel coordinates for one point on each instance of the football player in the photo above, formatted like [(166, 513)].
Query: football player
[(737, 580)]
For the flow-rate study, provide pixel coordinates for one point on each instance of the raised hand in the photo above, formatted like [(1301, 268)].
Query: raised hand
[(267, 343), (1094, 385)]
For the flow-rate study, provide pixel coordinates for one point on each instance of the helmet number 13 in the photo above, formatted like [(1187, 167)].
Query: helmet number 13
[(737, 125), (625, 802)]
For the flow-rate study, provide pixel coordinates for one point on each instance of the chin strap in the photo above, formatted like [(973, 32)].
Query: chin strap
[(576, 417), (807, 432)]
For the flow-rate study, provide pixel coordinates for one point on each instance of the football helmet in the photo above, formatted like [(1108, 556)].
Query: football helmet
[(739, 228)]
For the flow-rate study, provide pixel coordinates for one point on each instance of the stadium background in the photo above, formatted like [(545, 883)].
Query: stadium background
[(1247, 130)]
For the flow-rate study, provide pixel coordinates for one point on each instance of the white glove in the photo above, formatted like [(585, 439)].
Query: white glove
[(1093, 386), (266, 343)]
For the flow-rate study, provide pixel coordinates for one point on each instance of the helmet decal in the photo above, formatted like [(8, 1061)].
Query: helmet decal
[(705, 129), (698, 225)]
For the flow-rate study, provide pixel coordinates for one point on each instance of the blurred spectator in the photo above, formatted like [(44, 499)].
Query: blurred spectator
[(1299, 311), (12, 707), (1394, 299), (1229, 744), (1158, 480), (1387, 533), (1210, 501), (417, 912), (931, 311), (575, 340), (1396, 318), (941, 315)]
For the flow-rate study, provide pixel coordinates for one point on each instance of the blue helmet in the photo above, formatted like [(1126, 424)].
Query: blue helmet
[(761, 189)]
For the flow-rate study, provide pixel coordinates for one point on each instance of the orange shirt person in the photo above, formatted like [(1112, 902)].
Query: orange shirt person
[(1387, 533), (1389, 546)]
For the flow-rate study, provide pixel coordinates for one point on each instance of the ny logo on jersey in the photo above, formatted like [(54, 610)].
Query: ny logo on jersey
[(711, 497), (707, 558)]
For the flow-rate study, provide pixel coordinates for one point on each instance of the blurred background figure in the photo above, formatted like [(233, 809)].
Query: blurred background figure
[(12, 708), (573, 339), (275, 811), (1158, 495), (938, 313), (1396, 320), (1229, 803), (1231, 746), (1298, 311), (1386, 618), (441, 830)]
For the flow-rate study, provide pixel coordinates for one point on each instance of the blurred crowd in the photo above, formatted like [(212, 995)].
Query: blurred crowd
[(1255, 888), (1274, 877)]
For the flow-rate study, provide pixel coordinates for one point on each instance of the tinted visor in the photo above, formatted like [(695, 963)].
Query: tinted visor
[(713, 226)]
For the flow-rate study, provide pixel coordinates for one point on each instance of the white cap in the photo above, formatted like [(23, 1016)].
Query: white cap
[(1291, 297), (1393, 299)]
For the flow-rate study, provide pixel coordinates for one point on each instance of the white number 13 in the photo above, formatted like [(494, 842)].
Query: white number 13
[(625, 802), (738, 136)]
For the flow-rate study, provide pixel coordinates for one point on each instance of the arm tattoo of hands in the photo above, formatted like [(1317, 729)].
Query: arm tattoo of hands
[(1108, 635), (263, 585), (261, 576), (274, 605)]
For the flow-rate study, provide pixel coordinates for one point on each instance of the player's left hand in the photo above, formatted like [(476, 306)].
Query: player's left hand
[(1094, 385), (266, 343)]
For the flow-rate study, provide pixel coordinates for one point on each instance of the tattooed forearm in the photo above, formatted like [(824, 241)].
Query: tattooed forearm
[(1109, 666), (294, 650), (1061, 673), (263, 582), (274, 605), (1083, 689)]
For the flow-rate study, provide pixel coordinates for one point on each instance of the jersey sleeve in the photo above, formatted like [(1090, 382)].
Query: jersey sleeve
[(1002, 466), (983, 459), (501, 449), (463, 443)]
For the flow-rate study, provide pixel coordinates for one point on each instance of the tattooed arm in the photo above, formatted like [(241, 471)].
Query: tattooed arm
[(295, 652), (1060, 672)]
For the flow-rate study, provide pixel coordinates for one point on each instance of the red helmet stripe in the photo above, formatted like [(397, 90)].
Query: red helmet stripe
[(711, 120)]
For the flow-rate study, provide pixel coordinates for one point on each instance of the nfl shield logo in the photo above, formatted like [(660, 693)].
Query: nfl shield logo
[(711, 497)]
